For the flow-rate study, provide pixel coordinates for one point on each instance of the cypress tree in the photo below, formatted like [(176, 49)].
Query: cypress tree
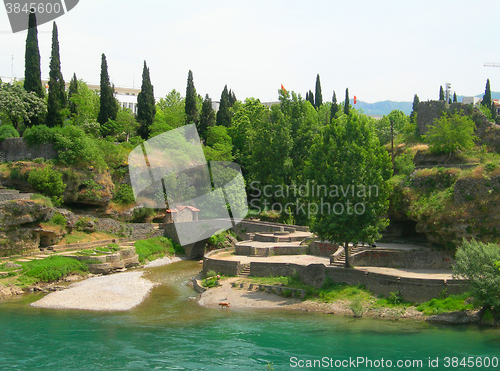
[(416, 102), (311, 98), (57, 89), (207, 117), (191, 107), (146, 109), (318, 97), (346, 103), (334, 108), (32, 73), (108, 108), (487, 95), (72, 91), (493, 111), (455, 97), (441, 93), (232, 98), (223, 115), (307, 96)]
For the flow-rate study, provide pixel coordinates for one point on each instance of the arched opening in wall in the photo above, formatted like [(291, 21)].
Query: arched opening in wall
[(403, 230)]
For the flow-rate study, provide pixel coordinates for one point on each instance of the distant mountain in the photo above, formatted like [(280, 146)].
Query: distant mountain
[(382, 108), (385, 107)]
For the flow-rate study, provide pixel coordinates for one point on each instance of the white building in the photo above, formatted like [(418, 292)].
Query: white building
[(471, 100)]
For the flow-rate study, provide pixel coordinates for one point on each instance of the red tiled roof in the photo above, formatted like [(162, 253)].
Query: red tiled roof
[(180, 208)]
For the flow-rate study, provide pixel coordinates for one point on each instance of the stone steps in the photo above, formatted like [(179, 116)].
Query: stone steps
[(340, 261), (245, 272)]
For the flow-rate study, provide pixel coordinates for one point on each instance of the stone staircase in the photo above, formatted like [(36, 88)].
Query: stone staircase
[(245, 271), (340, 259), (13, 195)]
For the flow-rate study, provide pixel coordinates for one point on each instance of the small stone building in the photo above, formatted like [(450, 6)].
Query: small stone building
[(181, 214)]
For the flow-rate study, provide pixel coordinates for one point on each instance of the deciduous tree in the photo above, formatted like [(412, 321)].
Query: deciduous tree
[(476, 262), (451, 133), (350, 157)]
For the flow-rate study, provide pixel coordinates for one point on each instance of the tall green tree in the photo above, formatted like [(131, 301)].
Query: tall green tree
[(19, 108), (191, 107), (32, 73), (207, 117), (441, 93), (310, 97), (146, 108), (108, 108), (346, 102), (72, 91), (350, 157), (232, 98), (455, 97), (57, 101), (318, 97), (487, 95), (335, 107), (223, 114), (414, 110)]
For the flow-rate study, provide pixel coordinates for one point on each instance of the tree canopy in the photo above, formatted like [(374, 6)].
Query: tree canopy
[(108, 108), (32, 73)]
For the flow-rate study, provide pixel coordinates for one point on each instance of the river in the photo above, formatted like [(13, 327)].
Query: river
[(170, 331)]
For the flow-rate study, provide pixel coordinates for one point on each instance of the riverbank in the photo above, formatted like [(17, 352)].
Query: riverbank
[(243, 298), (115, 292)]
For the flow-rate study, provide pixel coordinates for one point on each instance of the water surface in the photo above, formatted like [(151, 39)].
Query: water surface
[(169, 331)]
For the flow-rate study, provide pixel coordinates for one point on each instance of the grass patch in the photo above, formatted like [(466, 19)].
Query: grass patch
[(81, 237), (450, 304), (50, 269), (156, 247)]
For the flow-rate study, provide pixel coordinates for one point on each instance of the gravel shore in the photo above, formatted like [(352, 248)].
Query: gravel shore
[(116, 292)]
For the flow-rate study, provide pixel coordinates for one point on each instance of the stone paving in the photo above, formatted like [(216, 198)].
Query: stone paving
[(437, 274)]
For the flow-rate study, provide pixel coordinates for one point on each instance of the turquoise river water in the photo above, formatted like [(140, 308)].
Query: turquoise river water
[(170, 331)]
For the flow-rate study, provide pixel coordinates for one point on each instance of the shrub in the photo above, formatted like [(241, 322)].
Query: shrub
[(357, 307), (451, 133), (59, 219), (395, 298), (39, 134), (49, 182), (74, 147), (142, 214), (82, 223), (53, 268), (404, 164), (124, 195), (156, 247), (8, 131), (476, 262)]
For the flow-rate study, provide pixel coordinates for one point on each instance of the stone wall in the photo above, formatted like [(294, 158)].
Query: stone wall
[(15, 149), (255, 226), (412, 289), (404, 259), (432, 110), (321, 248)]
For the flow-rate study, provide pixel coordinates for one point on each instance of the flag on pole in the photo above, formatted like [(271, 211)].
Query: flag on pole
[(355, 99), (282, 88)]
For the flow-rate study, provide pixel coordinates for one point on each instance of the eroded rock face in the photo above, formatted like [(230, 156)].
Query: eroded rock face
[(20, 230), (453, 318), (83, 186)]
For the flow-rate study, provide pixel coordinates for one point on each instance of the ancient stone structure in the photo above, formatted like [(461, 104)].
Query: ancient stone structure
[(16, 149)]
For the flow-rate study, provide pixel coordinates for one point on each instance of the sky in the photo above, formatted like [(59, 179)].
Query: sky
[(380, 50)]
